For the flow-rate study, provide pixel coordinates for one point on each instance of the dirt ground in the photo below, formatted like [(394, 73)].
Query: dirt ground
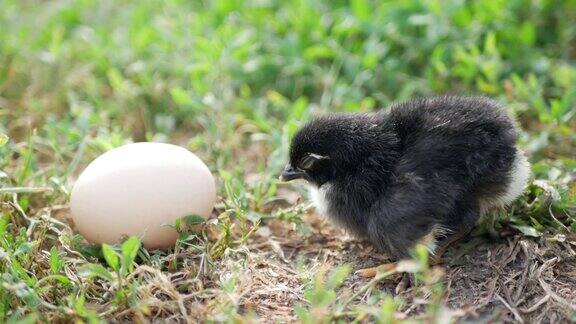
[(512, 279)]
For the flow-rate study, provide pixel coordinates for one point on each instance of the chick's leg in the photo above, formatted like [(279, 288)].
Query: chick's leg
[(400, 220), (436, 258), (429, 240), (461, 222)]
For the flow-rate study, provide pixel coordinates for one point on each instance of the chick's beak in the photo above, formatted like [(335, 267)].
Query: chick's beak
[(290, 173)]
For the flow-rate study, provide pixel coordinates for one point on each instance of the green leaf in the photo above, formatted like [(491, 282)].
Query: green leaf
[(4, 221), (111, 257), (79, 303), (3, 139), (421, 253), (129, 251), (361, 9), (116, 80), (28, 319), (337, 276), (303, 314), (54, 260), (23, 249), (319, 51), (320, 297), (527, 33), (194, 219), (387, 310), (178, 225), (61, 278), (22, 274), (299, 108), (490, 44), (527, 230), (92, 270), (180, 96)]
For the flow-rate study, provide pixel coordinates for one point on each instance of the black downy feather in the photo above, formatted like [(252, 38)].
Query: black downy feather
[(394, 175)]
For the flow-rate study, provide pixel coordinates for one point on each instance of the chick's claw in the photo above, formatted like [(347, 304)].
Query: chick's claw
[(372, 272)]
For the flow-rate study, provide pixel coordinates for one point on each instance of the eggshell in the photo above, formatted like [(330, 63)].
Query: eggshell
[(138, 189)]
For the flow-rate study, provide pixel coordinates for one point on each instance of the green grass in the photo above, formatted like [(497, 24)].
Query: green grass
[(232, 81)]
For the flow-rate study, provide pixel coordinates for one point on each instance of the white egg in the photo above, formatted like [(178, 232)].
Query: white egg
[(139, 189)]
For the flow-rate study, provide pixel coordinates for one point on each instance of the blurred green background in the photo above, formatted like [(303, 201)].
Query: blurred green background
[(233, 80)]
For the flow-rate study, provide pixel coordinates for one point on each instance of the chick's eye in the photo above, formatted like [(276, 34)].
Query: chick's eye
[(310, 160), (307, 162)]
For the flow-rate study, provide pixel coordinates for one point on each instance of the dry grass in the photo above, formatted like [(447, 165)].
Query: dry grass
[(511, 279), (266, 275)]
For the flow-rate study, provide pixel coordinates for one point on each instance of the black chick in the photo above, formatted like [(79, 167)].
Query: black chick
[(422, 171)]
